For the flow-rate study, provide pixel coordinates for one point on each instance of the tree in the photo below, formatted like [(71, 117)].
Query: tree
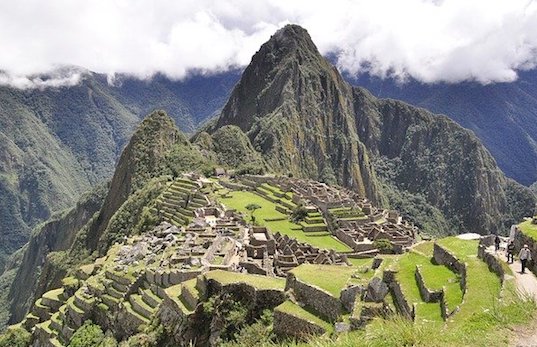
[(252, 208), (299, 214)]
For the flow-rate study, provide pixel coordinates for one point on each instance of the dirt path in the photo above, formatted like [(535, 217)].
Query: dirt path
[(526, 283), (526, 335)]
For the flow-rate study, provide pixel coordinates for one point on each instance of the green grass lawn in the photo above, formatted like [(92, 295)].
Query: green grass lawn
[(331, 278), (461, 248), (529, 229), (425, 248), (240, 199), (482, 286), (360, 262), (54, 294), (437, 276), (256, 281)]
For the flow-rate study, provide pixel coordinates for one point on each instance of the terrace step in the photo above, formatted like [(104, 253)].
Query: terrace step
[(55, 342), (30, 321), (41, 311), (149, 298), (113, 292), (67, 332), (53, 299), (140, 306), (109, 300), (84, 303), (43, 329), (138, 318), (56, 323), (117, 278)]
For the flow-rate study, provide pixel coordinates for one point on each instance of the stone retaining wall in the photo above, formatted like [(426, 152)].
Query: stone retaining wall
[(316, 298), (426, 294), (286, 324), (443, 257), (520, 240), (403, 306), (346, 239), (234, 186), (493, 262)]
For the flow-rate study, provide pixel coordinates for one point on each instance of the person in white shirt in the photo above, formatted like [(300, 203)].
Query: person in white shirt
[(524, 255)]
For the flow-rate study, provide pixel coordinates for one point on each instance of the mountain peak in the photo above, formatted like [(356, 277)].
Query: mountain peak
[(291, 42), (292, 35), (282, 65)]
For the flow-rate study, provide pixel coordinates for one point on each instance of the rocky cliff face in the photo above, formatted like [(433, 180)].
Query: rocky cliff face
[(440, 160), (56, 235), (304, 119)]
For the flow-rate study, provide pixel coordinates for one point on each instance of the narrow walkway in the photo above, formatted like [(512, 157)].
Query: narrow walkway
[(526, 335), (526, 283)]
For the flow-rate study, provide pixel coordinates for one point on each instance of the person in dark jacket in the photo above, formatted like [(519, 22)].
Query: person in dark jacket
[(497, 243), (511, 252)]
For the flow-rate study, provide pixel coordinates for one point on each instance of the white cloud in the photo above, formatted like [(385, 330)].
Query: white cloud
[(450, 40)]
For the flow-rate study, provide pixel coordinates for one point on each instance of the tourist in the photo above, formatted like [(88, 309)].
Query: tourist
[(510, 252), (524, 256), (497, 243)]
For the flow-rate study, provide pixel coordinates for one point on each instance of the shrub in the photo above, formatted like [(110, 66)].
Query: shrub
[(15, 337), (88, 335), (383, 245)]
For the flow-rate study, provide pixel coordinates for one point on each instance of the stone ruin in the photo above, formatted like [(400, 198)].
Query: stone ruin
[(358, 230), (275, 255)]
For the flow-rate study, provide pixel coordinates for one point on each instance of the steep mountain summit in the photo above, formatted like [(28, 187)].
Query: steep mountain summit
[(305, 120), (298, 112)]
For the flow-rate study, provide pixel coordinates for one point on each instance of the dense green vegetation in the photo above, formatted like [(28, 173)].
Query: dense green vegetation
[(15, 337)]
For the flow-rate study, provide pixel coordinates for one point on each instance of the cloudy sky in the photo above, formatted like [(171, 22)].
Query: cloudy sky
[(431, 41)]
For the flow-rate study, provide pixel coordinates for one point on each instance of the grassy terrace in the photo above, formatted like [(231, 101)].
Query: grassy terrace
[(256, 281), (328, 277), (482, 287), (424, 248), (240, 199), (529, 229), (436, 277), (406, 266)]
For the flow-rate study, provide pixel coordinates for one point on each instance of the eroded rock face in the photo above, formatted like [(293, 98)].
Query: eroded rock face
[(376, 290)]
